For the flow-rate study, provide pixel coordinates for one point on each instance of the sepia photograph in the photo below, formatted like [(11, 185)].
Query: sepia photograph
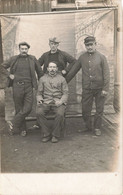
[(61, 97)]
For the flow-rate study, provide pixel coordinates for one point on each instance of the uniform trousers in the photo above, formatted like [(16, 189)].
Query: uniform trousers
[(42, 112), (23, 99), (88, 96)]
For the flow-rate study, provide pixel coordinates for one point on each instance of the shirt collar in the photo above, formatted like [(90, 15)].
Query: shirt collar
[(52, 75), (54, 53)]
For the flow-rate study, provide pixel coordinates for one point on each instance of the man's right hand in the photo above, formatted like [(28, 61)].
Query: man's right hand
[(58, 103), (11, 76)]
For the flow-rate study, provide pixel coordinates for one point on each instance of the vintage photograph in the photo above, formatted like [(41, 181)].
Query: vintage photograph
[(60, 93)]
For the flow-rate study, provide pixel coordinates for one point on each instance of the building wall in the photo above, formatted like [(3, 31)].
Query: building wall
[(24, 6)]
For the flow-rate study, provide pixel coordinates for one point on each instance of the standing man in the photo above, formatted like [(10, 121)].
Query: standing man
[(52, 96), (65, 61), (95, 82), (23, 78)]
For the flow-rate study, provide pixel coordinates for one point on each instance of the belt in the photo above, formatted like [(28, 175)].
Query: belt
[(20, 83)]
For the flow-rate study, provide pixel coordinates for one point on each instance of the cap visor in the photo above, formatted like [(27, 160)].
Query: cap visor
[(91, 42)]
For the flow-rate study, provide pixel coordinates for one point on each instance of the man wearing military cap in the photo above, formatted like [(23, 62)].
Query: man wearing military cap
[(65, 61), (22, 78), (95, 82)]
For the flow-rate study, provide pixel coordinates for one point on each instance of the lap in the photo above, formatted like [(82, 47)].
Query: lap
[(46, 108)]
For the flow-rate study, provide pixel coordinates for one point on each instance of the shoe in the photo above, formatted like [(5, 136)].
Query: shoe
[(10, 128), (34, 127), (46, 139), (54, 139), (97, 132), (83, 130), (23, 133)]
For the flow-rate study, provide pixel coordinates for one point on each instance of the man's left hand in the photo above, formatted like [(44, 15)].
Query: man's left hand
[(64, 72), (58, 103), (104, 93)]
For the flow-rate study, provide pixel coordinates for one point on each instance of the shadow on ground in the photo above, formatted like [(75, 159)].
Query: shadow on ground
[(76, 152)]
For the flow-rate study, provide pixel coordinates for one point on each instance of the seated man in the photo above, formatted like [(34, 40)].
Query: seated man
[(52, 95)]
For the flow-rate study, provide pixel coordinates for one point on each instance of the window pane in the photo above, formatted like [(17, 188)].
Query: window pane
[(66, 1)]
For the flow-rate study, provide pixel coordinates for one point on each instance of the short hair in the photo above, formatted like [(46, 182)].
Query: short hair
[(54, 63), (24, 43)]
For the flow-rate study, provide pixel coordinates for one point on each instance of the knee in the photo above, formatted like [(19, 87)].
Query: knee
[(60, 115), (39, 112), (29, 109), (25, 112)]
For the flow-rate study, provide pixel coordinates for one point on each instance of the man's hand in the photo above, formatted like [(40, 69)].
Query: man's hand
[(58, 103), (104, 93), (39, 102), (64, 72), (11, 76)]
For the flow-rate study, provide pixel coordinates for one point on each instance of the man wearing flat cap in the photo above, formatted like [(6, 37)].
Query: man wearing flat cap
[(95, 82), (23, 79), (65, 61)]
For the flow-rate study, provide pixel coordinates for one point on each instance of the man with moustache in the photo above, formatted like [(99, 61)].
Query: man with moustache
[(23, 78), (64, 60), (95, 82), (52, 96)]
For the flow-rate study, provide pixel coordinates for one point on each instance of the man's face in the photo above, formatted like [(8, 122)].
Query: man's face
[(53, 46), (91, 47), (52, 68), (23, 49)]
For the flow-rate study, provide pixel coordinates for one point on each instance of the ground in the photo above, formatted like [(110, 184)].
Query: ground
[(75, 152)]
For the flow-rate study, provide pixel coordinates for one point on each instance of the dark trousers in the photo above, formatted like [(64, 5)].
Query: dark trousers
[(23, 99), (88, 96), (42, 111)]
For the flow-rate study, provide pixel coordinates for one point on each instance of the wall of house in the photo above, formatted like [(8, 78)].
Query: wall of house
[(24, 6)]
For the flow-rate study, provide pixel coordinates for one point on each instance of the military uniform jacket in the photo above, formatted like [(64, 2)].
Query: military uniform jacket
[(95, 71)]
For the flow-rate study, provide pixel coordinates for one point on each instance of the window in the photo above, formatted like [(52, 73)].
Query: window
[(66, 1)]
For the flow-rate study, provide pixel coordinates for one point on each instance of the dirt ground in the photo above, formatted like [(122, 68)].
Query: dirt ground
[(76, 152)]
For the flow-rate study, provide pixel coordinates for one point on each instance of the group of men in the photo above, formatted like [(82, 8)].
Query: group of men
[(55, 69)]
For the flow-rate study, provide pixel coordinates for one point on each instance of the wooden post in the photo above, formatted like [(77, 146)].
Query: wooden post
[(117, 70), (1, 53)]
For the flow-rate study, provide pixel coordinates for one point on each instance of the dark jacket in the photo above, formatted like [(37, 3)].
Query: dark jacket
[(34, 66), (63, 58), (95, 71)]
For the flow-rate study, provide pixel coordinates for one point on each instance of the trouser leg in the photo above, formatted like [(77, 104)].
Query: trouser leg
[(99, 102), (59, 120), (23, 99), (87, 102), (41, 112)]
